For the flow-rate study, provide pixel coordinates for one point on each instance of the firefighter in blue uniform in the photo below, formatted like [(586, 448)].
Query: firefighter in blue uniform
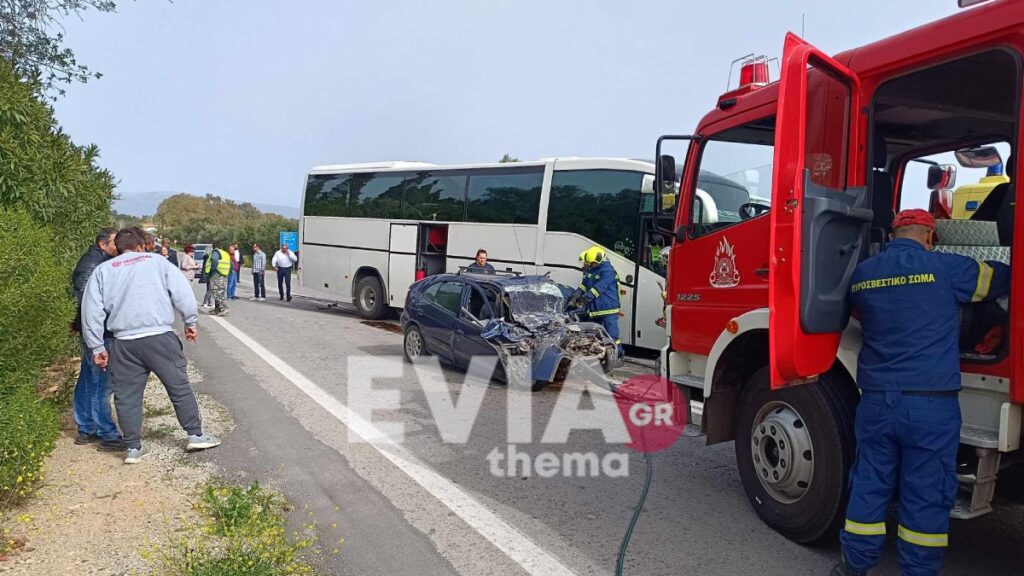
[(908, 419), (599, 293)]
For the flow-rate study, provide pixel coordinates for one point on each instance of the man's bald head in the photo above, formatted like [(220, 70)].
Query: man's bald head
[(923, 235)]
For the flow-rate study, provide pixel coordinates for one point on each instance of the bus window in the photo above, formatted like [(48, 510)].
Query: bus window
[(599, 204), (375, 195), (327, 195), (435, 195), (507, 196)]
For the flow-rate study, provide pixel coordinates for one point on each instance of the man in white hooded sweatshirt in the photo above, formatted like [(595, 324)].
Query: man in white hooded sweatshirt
[(136, 293)]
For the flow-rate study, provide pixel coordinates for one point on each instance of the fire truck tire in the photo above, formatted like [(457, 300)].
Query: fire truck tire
[(794, 448), (370, 299)]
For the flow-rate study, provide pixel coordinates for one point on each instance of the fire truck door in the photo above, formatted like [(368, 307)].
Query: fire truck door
[(819, 216)]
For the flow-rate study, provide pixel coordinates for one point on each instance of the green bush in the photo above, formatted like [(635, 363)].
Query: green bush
[(28, 430), (35, 305), (243, 533), (46, 174)]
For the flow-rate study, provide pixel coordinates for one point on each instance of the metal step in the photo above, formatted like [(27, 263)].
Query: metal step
[(691, 380), (979, 437), (977, 489)]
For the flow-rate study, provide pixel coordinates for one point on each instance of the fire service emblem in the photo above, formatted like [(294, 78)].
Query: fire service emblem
[(725, 274)]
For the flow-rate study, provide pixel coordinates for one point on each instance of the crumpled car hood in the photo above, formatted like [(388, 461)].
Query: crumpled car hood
[(543, 334)]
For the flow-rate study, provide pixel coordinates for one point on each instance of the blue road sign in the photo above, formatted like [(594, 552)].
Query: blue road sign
[(291, 239)]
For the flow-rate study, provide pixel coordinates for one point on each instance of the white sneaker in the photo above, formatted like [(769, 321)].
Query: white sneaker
[(135, 455), (201, 442)]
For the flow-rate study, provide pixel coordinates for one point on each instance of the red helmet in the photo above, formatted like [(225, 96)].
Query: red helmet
[(914, 217)]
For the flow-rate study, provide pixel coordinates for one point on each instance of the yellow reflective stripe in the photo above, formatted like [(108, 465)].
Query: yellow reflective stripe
[(873, 529), (984, 282), (605, 312), (922, 539), (582, 288), (595, 292)]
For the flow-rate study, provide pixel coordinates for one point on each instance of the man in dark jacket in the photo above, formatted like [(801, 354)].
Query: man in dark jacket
[(92, 392)]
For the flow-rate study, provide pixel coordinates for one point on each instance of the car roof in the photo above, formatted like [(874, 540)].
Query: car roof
[(497, 280)]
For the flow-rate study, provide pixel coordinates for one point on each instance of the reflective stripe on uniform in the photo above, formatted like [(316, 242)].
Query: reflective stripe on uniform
[(984, 282), (582, 288), (922, 539), (595, 292), (605, 312), (873, 529)]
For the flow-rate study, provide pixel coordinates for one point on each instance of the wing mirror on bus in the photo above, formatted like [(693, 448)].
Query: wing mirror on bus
[(941, 176), (979, 157)]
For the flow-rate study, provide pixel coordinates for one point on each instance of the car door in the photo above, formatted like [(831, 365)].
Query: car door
[(442, 302), (480, 306), (820, 212)]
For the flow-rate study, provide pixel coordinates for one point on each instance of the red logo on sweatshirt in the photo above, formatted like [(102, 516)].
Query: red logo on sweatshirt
[(129, 261)]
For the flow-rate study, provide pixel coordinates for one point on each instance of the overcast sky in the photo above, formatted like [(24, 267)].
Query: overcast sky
[(241, 97)]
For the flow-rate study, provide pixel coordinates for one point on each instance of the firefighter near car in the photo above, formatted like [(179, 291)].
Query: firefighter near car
[(908, 421), (598, 293)]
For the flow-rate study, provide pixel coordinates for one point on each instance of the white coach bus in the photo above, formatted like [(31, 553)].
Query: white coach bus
[(368, 231)]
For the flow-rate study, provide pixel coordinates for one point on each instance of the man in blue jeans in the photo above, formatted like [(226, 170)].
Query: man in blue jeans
[(92, 392), (233, 275)]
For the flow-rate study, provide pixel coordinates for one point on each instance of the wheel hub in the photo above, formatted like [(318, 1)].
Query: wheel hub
[(368, 298), (413, 344), (782, 452)]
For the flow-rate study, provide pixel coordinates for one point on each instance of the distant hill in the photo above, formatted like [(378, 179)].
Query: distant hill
[(145, 204)]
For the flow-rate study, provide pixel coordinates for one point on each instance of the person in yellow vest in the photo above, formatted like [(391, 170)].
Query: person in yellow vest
[(217, 268)]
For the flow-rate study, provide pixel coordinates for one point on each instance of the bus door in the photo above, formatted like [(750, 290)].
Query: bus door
[(401, 261), (820, 212)]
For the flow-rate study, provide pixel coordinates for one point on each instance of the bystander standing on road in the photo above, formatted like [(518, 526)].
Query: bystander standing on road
[(204, 277), (283, 260), (217, 270), (92, 390), (144, 340), (188, 264), (480, 263), (172, 254), (259, 273), (233, 273)]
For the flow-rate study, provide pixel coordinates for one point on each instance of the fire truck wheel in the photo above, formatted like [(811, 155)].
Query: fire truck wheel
[(370, 299), (794, 448)]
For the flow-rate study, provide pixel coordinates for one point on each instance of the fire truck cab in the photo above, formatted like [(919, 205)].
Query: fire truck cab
[(761, 337)]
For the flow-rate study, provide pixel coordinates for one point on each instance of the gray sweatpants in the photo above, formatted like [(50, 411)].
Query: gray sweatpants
[(131, 362)]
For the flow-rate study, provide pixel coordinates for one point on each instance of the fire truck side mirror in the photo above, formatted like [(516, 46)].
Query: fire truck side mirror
[(941, 176)]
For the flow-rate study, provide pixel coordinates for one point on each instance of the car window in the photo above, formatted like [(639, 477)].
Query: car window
[(446, 295), (483, 303)]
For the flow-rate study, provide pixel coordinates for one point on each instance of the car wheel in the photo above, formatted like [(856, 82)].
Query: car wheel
[(370, 300), (414, 346), (794, 448)]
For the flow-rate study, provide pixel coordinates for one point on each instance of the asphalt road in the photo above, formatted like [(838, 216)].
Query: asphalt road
[(427, 506)]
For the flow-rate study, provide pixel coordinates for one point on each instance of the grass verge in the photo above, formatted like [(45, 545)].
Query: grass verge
[(242, 531)]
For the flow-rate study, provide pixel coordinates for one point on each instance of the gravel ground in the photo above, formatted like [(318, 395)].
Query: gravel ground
[(95, 514)]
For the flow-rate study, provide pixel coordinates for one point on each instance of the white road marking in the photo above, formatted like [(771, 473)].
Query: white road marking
[(516, 545)]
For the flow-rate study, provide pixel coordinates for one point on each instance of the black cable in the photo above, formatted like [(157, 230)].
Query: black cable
[(648, 474), (636, 515)]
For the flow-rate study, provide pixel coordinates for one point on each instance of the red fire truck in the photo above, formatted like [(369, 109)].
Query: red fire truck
[(760, 333)]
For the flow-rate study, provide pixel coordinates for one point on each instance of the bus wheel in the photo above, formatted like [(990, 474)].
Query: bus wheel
[(794, 448), (370, 299)]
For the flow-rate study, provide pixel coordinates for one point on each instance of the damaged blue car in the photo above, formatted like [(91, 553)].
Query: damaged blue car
[(521, 319)]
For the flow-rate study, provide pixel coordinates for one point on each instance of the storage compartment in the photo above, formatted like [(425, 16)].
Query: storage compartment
[(433, 249)]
